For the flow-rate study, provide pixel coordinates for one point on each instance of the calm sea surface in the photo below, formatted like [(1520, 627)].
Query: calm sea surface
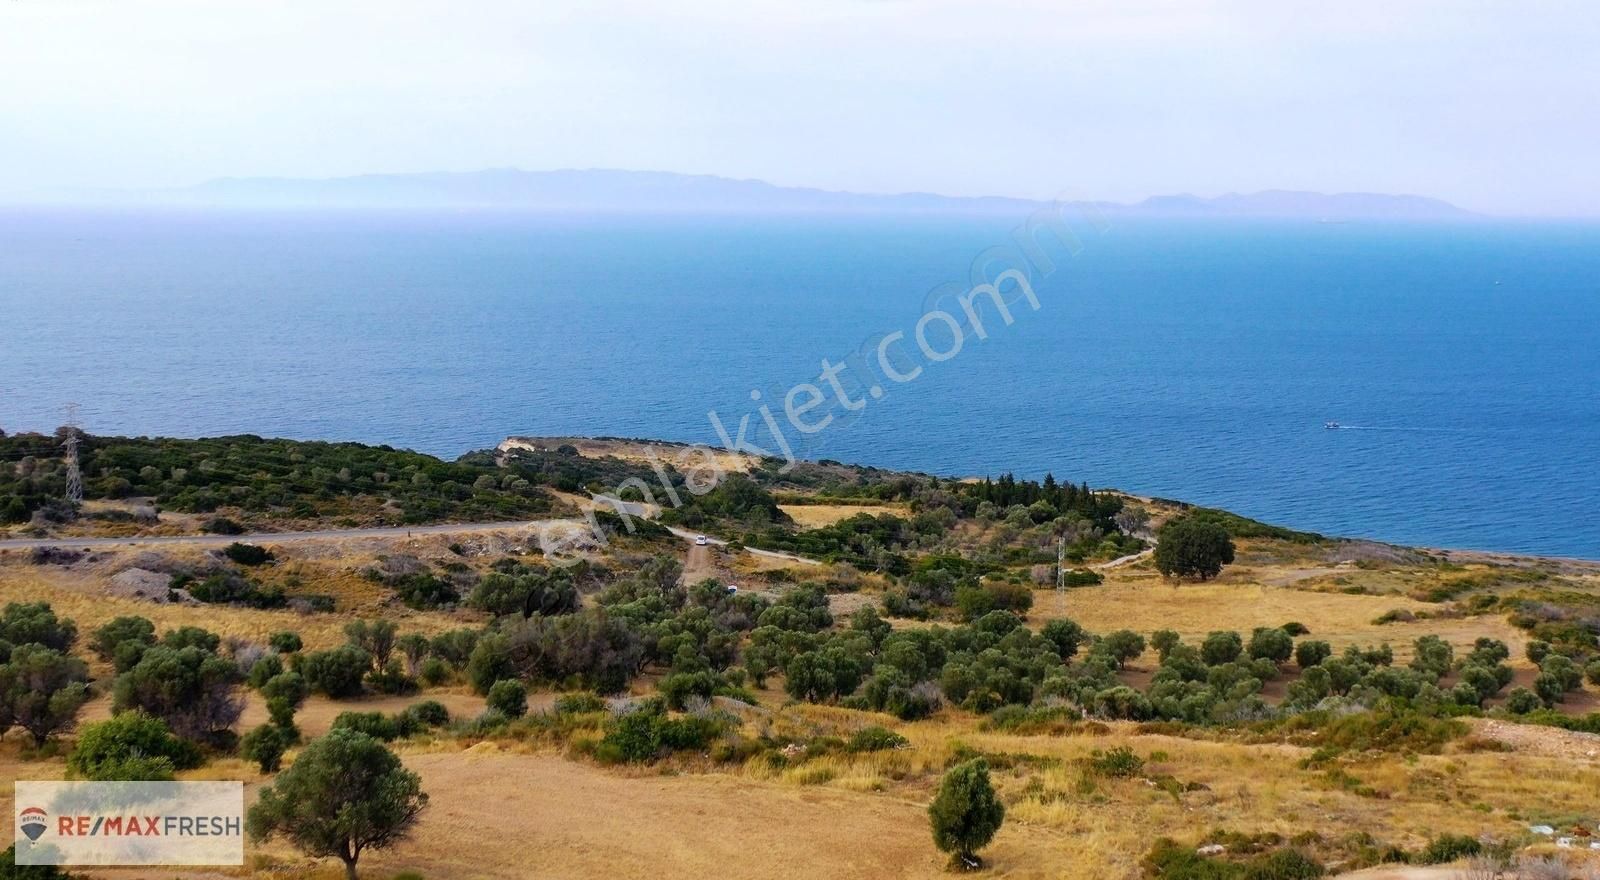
[(1193, 360)]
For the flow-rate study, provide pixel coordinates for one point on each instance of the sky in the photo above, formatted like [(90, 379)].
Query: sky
[(1489, 104)]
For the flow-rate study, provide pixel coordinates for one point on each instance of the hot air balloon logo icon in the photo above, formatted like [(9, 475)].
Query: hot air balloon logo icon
[(32, 822)]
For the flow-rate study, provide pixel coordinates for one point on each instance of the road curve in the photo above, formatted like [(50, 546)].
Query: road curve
[(770, 554)]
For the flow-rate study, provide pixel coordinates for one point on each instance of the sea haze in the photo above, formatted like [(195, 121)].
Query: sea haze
[(1186, 358)]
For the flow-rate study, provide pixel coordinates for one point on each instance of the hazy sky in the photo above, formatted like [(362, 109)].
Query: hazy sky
[(1492, 104)]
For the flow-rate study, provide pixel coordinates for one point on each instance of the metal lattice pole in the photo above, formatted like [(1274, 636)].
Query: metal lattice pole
[(70, 444)]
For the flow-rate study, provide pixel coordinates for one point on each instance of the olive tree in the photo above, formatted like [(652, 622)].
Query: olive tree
[(41, 691), (345, 794), (1191, 547), (966, 813), (193, 690)]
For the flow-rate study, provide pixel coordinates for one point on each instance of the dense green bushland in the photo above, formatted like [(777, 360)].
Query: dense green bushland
[(278, 478)]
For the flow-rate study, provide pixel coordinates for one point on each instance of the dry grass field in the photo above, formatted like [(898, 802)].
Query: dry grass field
[(1137, 598), (812, 516), (512, 809), (640, 451)]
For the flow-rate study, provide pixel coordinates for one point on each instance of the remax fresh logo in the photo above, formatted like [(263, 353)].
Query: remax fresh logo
[(129, 823), (32, 822)]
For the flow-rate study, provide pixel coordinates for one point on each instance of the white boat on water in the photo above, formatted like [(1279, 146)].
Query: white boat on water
[(1332, 426)]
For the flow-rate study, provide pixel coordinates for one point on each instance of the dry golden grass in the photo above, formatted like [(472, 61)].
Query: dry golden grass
[(513, 811), (1139, 599), (684, 458), (812, 516), (82, 599), (1104, 826)]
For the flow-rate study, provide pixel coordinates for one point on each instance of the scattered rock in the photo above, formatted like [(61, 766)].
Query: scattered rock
[(55, 556), (1214, 849), (142, 583)]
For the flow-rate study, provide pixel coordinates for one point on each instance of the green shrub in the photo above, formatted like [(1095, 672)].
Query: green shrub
[(285, 642), (434, 672), (1221, 647), (1448, 848), (247, 554), (391, 679), (130, 747), (876, 739), (428, 713), (221, 525), (123, 641), (1283, 864), (265, 746), (1169, 860), (374, 724), (1311, 653), (647, 733), (1394, 727), (1522, 701), (509, 697), (336, 673), (1117, 763), (267, 668), (1270, 643), (1083, 577), (579, 704), (966, 813)]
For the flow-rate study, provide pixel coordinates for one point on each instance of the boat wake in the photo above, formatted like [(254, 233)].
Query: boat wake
[(1335, 426)]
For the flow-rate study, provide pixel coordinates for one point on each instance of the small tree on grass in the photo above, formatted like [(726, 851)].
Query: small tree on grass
[(123, 641), (285, 693), (265, 746), (131, 747), (337, 673), (509, 698), (344, 795), (41, 691), (965, 814), (1271, 643), (247, 554), (286, 642), (193, 690), (1190, 547), (1122, 646)]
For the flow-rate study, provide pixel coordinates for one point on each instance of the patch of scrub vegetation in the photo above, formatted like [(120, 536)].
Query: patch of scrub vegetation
[(1243, 527), (264, 479)]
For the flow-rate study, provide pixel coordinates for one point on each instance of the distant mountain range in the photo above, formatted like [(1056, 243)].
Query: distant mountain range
[(664, 192)]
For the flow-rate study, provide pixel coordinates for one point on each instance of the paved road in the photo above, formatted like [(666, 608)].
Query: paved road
[(275, 537)]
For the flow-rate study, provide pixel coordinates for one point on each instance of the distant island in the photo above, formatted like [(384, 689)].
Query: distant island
[(599, 190)]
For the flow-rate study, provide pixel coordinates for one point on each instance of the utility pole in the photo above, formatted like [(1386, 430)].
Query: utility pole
[(1061, 576), (70, 444)]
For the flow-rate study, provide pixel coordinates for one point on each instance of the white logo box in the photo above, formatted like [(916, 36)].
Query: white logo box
[(129, 823)]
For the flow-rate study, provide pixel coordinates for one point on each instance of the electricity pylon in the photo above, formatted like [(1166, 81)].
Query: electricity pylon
[(70, 444)]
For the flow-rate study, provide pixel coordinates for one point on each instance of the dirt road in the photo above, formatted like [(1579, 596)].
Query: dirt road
[(269, 538), (753, 551)]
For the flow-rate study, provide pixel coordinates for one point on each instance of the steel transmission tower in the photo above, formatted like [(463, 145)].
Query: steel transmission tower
[(70, 444)]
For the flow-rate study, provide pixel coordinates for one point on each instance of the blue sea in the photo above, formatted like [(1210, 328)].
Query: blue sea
[(1190, 359)]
